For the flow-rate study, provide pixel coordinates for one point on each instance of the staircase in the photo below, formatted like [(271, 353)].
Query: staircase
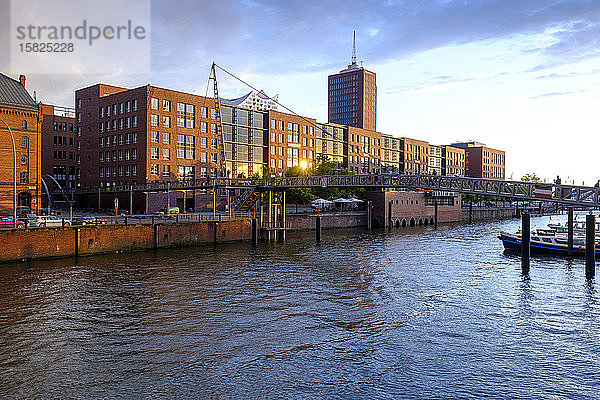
[(246, 200)]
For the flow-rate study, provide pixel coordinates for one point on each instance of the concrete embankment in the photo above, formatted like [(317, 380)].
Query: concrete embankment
[(328, 220), (78, 241), (483, 213)]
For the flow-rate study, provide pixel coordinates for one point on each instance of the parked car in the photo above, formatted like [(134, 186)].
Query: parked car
[(89, 220), (9, 223), (49, 220)]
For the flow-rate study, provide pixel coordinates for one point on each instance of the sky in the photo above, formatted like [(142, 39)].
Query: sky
[(519, 75)]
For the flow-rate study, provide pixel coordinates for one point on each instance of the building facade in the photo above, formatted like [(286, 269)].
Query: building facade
[(435, 159), (482, 161), (254, 101), (415, 156), (22, 114), (391, 154), (352, 96), (61, 162), (453, 161)]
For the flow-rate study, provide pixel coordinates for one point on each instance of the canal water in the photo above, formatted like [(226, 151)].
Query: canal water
[(413, 313)]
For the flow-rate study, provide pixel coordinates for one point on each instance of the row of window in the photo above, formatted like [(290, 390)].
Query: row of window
[(117, 155), (117, 170), (123, 107), (58, 126), (118, 139), (121, 123)]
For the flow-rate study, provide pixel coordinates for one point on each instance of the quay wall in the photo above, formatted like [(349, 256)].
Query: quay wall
[(479, 214), (78, 241), (328, 220)]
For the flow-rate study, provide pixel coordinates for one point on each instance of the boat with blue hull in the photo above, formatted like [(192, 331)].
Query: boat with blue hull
[(546, 241)]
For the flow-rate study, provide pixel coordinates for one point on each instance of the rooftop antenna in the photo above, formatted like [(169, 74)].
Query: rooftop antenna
[(354, 49)]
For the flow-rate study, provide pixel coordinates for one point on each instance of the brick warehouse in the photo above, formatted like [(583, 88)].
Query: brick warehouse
[(60, 147), (22, 114)]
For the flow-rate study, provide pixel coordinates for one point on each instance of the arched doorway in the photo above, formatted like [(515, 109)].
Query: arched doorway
[(412, 222), (404, 223), (397, 223)]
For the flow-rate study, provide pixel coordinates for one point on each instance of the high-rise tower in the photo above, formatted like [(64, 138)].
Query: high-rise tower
[(352, 95)]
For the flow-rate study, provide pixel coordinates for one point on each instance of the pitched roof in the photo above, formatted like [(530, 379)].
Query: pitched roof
[(11, 92)]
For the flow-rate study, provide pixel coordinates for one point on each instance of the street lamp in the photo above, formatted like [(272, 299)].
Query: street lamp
[(14, 173)]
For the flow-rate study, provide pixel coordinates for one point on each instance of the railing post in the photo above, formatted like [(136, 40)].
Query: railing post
[(590, 246), (525, 240)]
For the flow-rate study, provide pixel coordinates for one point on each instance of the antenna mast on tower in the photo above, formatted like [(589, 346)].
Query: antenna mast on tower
[(354, 49)]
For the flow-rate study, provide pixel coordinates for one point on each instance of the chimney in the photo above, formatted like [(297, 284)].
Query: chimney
[(22, 80)]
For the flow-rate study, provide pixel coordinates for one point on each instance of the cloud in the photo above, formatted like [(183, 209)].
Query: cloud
[(273, 37)]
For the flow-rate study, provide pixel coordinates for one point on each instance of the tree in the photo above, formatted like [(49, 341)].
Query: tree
[(531, 178)]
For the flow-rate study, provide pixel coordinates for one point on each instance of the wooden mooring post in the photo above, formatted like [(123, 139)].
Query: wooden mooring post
[(254, 231), (525, 240), (318, 228), (590, 246), (570, 231)]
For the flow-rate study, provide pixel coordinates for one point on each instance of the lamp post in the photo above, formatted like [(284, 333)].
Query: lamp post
[(14, 173)]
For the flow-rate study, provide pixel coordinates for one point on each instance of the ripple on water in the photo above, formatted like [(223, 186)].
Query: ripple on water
[(419, 313)]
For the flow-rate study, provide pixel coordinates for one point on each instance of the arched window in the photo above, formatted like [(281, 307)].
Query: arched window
[(24, 124)]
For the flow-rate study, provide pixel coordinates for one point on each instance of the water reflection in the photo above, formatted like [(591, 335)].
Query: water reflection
[(417, 313)]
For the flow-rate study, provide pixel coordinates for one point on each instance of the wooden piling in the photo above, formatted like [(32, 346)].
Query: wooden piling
[(590, 244), (254, 231), (318, 228), (435, 218), (525, 241), (570, 232)]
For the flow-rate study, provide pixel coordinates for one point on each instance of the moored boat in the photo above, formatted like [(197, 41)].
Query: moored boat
[(546, 241)]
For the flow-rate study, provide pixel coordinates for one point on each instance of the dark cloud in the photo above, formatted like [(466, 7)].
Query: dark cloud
[(284, 37)]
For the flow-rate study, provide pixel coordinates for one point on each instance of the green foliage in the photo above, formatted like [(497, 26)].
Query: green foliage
[(531, 178), (323, 166)]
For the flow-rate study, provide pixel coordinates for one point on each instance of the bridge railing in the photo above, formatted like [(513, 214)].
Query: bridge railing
[(564, 194)]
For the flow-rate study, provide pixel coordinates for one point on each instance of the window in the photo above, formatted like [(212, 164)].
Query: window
[(126, 154), (135, 120), (135, 105), (167, 122), (101, 142), (120, 140), (213, 158), (134, 137), (166, 154), (180, 122), (127, 138), (154, 153), (101, 172), (24, 143), (203, 111), (166, 137), (203, 142), (213, 143), (154, 120), (272, 124), (154, 103), (101, 157), (154, 169), (203, 126), (154, 136), (166, 170), (127, 123), (127, 170), (120, 155), (24, 124), (212, 113), (203, 157), (166, 105), (128, 106), (134, 154), (280, 125), (121, 108), (23, 159), (134, 170)]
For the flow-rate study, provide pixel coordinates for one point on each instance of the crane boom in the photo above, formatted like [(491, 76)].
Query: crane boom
[(213, 76)]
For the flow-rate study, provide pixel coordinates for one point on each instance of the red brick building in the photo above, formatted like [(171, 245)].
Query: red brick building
[(22, 114), (415, 156), (352, 96), (364, 151), (453, 161), (292, 142), (483, 161), (60, 147)]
